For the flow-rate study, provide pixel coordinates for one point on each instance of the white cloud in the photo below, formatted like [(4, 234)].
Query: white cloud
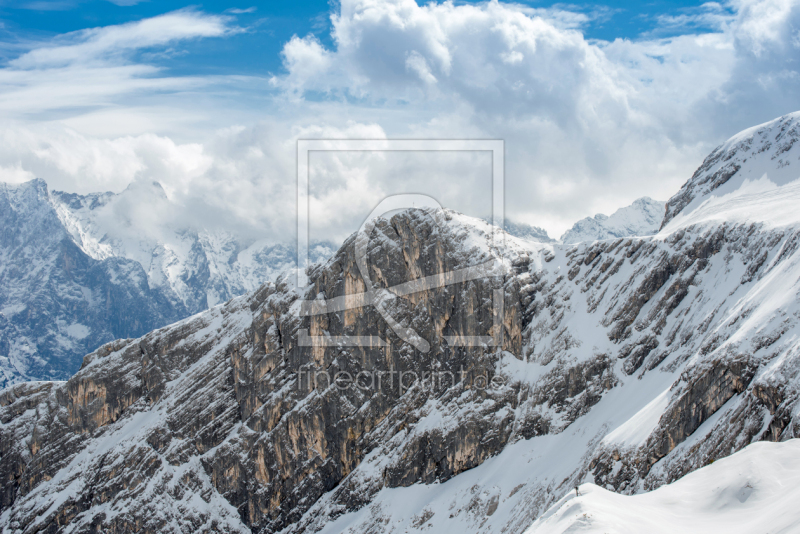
[(709, 16), (15, 174), (589, 125), (98, 44), (240, 11), (765, 79), (97, 67), (305, 59), (416, 63)]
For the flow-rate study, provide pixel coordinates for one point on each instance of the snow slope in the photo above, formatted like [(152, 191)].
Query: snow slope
[(770, 149), (754, 490), (641, 218)]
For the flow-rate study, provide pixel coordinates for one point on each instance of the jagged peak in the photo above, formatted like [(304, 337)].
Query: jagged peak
[(36, 184)]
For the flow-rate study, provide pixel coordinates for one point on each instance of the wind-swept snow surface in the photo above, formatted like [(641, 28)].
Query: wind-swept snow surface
[(755, 490)]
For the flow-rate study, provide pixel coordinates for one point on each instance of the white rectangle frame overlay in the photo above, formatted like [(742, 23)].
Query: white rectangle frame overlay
[(304, 149)]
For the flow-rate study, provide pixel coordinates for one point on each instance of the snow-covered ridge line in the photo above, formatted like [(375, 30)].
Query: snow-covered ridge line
[(753, 490), (770, 149)]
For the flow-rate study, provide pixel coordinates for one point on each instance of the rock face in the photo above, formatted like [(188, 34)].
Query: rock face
[(76, 272), (627, 362), (641, 218)]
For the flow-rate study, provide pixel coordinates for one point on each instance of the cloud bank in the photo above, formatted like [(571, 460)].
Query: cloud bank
[(589, 125)]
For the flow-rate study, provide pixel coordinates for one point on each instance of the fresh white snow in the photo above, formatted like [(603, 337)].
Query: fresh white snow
[(755, 490)]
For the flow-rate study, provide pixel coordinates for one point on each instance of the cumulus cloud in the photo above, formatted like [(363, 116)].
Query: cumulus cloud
[(580, 118), (589, 125), (241, 179), (765, 78)]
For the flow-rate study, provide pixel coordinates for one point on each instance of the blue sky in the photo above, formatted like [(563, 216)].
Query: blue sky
[(598, 104), (271, 24)]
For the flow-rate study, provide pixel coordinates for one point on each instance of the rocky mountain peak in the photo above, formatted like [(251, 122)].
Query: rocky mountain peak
[(625, 362), (628, 362)]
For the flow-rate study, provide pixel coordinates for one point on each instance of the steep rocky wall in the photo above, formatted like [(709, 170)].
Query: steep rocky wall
[(225, 421)]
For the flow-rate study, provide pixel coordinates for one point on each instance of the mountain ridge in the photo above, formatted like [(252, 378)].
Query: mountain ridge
[(626, 362), (69, 285)]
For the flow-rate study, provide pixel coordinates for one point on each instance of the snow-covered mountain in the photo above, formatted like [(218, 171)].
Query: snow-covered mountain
[(77, 271), (641, 218), (200, 268), (753, 490), (758, 158), (626, 363), (56, 302)]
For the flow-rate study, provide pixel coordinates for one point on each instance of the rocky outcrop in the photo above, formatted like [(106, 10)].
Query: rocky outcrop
[(238, 380)]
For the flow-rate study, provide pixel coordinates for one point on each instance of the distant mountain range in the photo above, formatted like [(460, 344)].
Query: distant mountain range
[(526, 231), (75, 272), (641, 218)]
